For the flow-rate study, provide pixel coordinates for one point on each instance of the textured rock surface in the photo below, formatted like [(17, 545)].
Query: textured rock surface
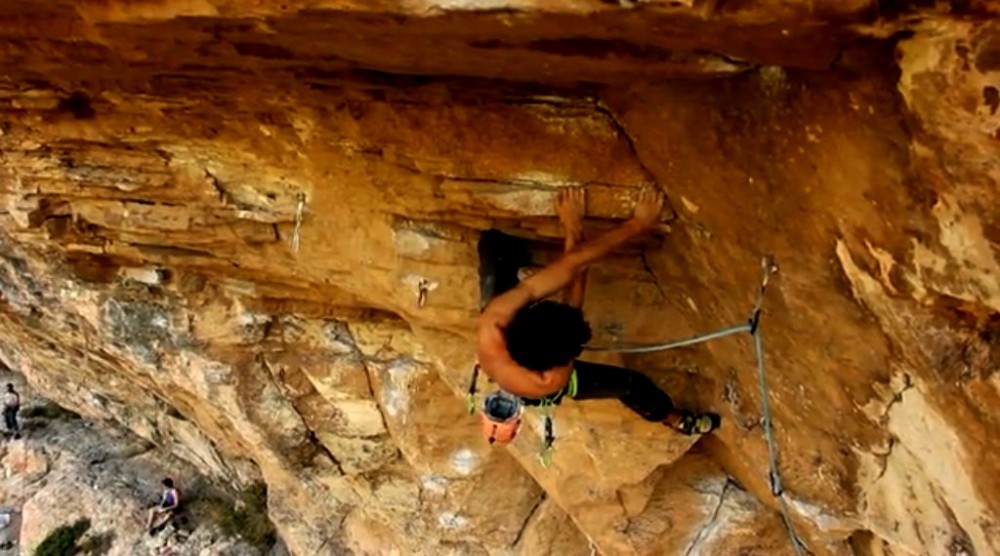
[(154, 155)]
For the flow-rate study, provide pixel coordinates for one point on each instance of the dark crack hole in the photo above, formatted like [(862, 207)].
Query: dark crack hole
[(78, 104)]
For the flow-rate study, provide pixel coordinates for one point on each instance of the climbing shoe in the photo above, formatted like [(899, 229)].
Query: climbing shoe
[(690, 423)]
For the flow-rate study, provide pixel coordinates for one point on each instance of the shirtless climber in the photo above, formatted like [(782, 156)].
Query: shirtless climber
[(528, 345)]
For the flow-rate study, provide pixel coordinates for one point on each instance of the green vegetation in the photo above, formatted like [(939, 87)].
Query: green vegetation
[(246, 519), (49, 411), (62, 540), (97, 545)]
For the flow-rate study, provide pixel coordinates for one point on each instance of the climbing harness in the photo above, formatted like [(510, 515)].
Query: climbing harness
[(545, 454), (301, 203), (498, 421), (547, 405), (752, 326)]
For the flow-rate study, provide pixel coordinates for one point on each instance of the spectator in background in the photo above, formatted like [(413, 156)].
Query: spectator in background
[(169, 501), (11, 405)]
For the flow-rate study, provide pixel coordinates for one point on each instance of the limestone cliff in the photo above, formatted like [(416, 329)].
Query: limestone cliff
[(64, 469), (217, 214)]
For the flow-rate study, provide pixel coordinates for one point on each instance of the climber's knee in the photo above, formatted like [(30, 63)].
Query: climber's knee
[(642, 385), (645, 398), (654, 415)]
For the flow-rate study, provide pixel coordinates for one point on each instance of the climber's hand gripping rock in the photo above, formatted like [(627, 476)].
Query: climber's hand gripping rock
[(648, 208), (571, 206)]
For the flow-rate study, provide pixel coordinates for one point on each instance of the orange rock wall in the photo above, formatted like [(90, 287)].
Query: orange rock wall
[(154, 155)]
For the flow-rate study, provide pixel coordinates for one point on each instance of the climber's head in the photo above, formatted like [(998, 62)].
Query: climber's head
[(546, 334), (168, 483), (10, 387)]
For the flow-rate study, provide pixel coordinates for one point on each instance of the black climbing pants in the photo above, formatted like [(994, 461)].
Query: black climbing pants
[(595, 381), (10, 418), (500, 258)]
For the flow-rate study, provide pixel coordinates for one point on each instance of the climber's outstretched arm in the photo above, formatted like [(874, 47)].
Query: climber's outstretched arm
[(571, 206), (561, 273)]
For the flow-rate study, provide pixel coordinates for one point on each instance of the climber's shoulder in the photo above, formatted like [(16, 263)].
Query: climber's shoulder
[(491, 348), (496, 316)]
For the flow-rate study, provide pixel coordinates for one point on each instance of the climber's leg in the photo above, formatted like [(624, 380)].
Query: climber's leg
[(634, 389), (10, 419), (640, 394), (500, 258)]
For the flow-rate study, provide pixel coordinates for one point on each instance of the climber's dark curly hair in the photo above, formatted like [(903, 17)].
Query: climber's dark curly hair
[(546, 334)]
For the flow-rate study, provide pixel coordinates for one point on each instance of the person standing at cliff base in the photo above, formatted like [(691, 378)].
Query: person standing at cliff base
[(529, 345), (11, 406)]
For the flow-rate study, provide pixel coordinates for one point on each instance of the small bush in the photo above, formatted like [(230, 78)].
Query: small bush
[(246, 519), (62, 540), (49, 411), (97, 545)]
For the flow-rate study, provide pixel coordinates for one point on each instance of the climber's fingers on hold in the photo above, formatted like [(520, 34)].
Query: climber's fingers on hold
[(578, 198), (561, 199), (570, 195), (651, 195), (570, 206)]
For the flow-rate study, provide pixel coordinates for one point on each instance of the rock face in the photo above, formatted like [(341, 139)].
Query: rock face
[(63, 470), (217, 217)]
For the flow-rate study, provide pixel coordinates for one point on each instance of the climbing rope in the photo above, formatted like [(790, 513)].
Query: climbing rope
[(772, 451), (768, 268), (648, 348)]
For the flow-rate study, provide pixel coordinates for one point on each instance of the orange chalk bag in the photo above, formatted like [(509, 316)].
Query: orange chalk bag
[(501, 415)]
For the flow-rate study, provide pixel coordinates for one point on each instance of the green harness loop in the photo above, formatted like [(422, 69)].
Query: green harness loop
[(545, 407)]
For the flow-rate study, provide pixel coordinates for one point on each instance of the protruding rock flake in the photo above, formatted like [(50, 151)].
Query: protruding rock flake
[(247, 233)]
